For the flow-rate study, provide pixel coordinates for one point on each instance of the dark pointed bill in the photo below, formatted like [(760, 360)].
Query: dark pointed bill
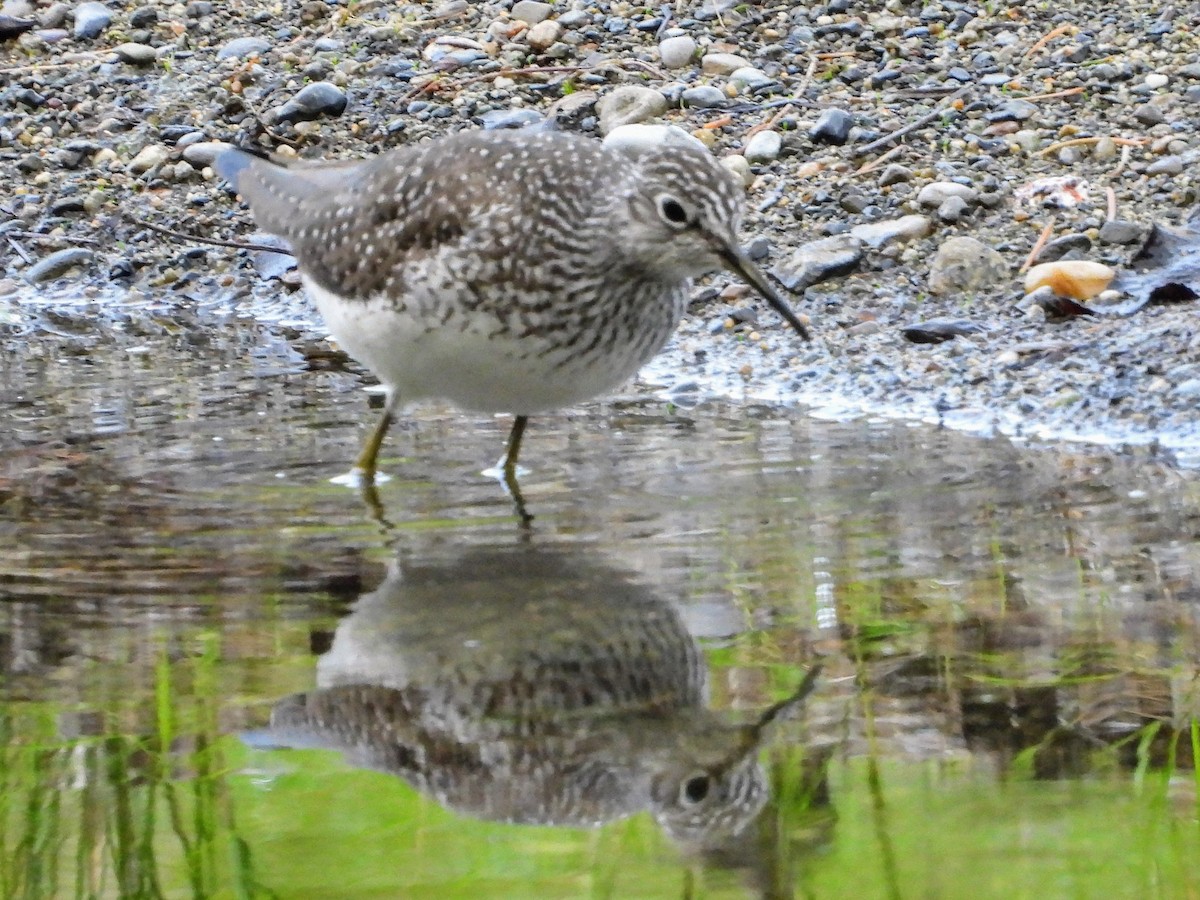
[(738, 263), (754, 734), (789, 705)]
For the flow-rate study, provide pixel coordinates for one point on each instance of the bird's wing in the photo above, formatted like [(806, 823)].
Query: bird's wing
[(355, 227)]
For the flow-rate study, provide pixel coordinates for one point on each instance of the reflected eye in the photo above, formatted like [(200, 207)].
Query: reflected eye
[(672, 211), (695, 789)]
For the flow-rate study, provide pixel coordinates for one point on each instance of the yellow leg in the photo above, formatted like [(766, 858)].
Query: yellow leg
[(365, 465), (512, 451), (513, 448)]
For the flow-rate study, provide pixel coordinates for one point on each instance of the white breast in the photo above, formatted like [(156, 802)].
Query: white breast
[(470, 365)]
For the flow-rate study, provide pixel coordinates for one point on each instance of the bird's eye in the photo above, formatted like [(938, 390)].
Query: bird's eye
[(672, 211), (695, 789)]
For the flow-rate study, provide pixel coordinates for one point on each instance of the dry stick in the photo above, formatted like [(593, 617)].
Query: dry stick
[(433, 83), (773, 198), (887, 139), (1048, 37), (41, 67), (1055, 95), (1078, 142), (1126, 152), (808, 77), (770, 123), (879, 161), (1112, 202), (914, 93), (267, 129), (19, 250), (444, 16), (437, 81), (215, 242), (1038, 245), (59, 238), (639, 64), (787, 108)]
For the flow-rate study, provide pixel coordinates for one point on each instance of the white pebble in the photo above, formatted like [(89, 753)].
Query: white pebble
[(677, 52), (542, 35), (1157, 80), (748, 77), (739, 167), (764, 147), (722, 63), (639, 137), (149, 157)]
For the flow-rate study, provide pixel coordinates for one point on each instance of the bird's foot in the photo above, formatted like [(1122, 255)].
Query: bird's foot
[(358, 478), (507, 476), (366, 484), (501, 474)]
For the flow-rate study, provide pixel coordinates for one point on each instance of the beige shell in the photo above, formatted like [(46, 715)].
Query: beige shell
[(1077, 279)]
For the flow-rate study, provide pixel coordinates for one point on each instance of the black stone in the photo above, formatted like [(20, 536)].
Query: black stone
[(1067, 244), (143, 17), (832, 127), (314, 101), (937, 331)]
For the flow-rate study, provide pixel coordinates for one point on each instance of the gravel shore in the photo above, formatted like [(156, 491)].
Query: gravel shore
[(892, 155)]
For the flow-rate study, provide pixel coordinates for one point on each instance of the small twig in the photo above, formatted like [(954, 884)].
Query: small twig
[(19, 250), (267, 129), (1112, 202), (771, 199), (1055, 95), (639, 64), (876, 163), (920, 93), (718, 123), (665, 26), (215, 242), (1048, 37), (896, 135), (1038, 245), (788, 108), (42, 67), (1099, 61), (444, 16), (1079, 142), (59, 238), (1126, 152), (436, 82), (774, 120), (807, 79)]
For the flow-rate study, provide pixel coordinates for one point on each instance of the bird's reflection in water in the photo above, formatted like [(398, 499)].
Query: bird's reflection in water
[(533, 685)]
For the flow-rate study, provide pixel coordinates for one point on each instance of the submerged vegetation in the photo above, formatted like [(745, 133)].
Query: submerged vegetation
[(151, 797), (96, 806)]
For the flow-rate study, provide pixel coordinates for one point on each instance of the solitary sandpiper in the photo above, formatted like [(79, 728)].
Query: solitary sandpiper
[(504, 271)]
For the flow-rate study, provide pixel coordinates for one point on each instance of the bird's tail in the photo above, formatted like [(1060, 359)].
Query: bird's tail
[(231, 163), (281, 197)]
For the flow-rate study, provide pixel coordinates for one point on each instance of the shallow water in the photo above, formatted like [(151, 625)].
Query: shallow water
[(223, 675)]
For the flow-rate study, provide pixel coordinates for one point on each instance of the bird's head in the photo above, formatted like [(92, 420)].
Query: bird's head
[(684, 210)]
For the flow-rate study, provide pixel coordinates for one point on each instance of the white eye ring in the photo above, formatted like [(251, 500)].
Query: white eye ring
[(673, 212)]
